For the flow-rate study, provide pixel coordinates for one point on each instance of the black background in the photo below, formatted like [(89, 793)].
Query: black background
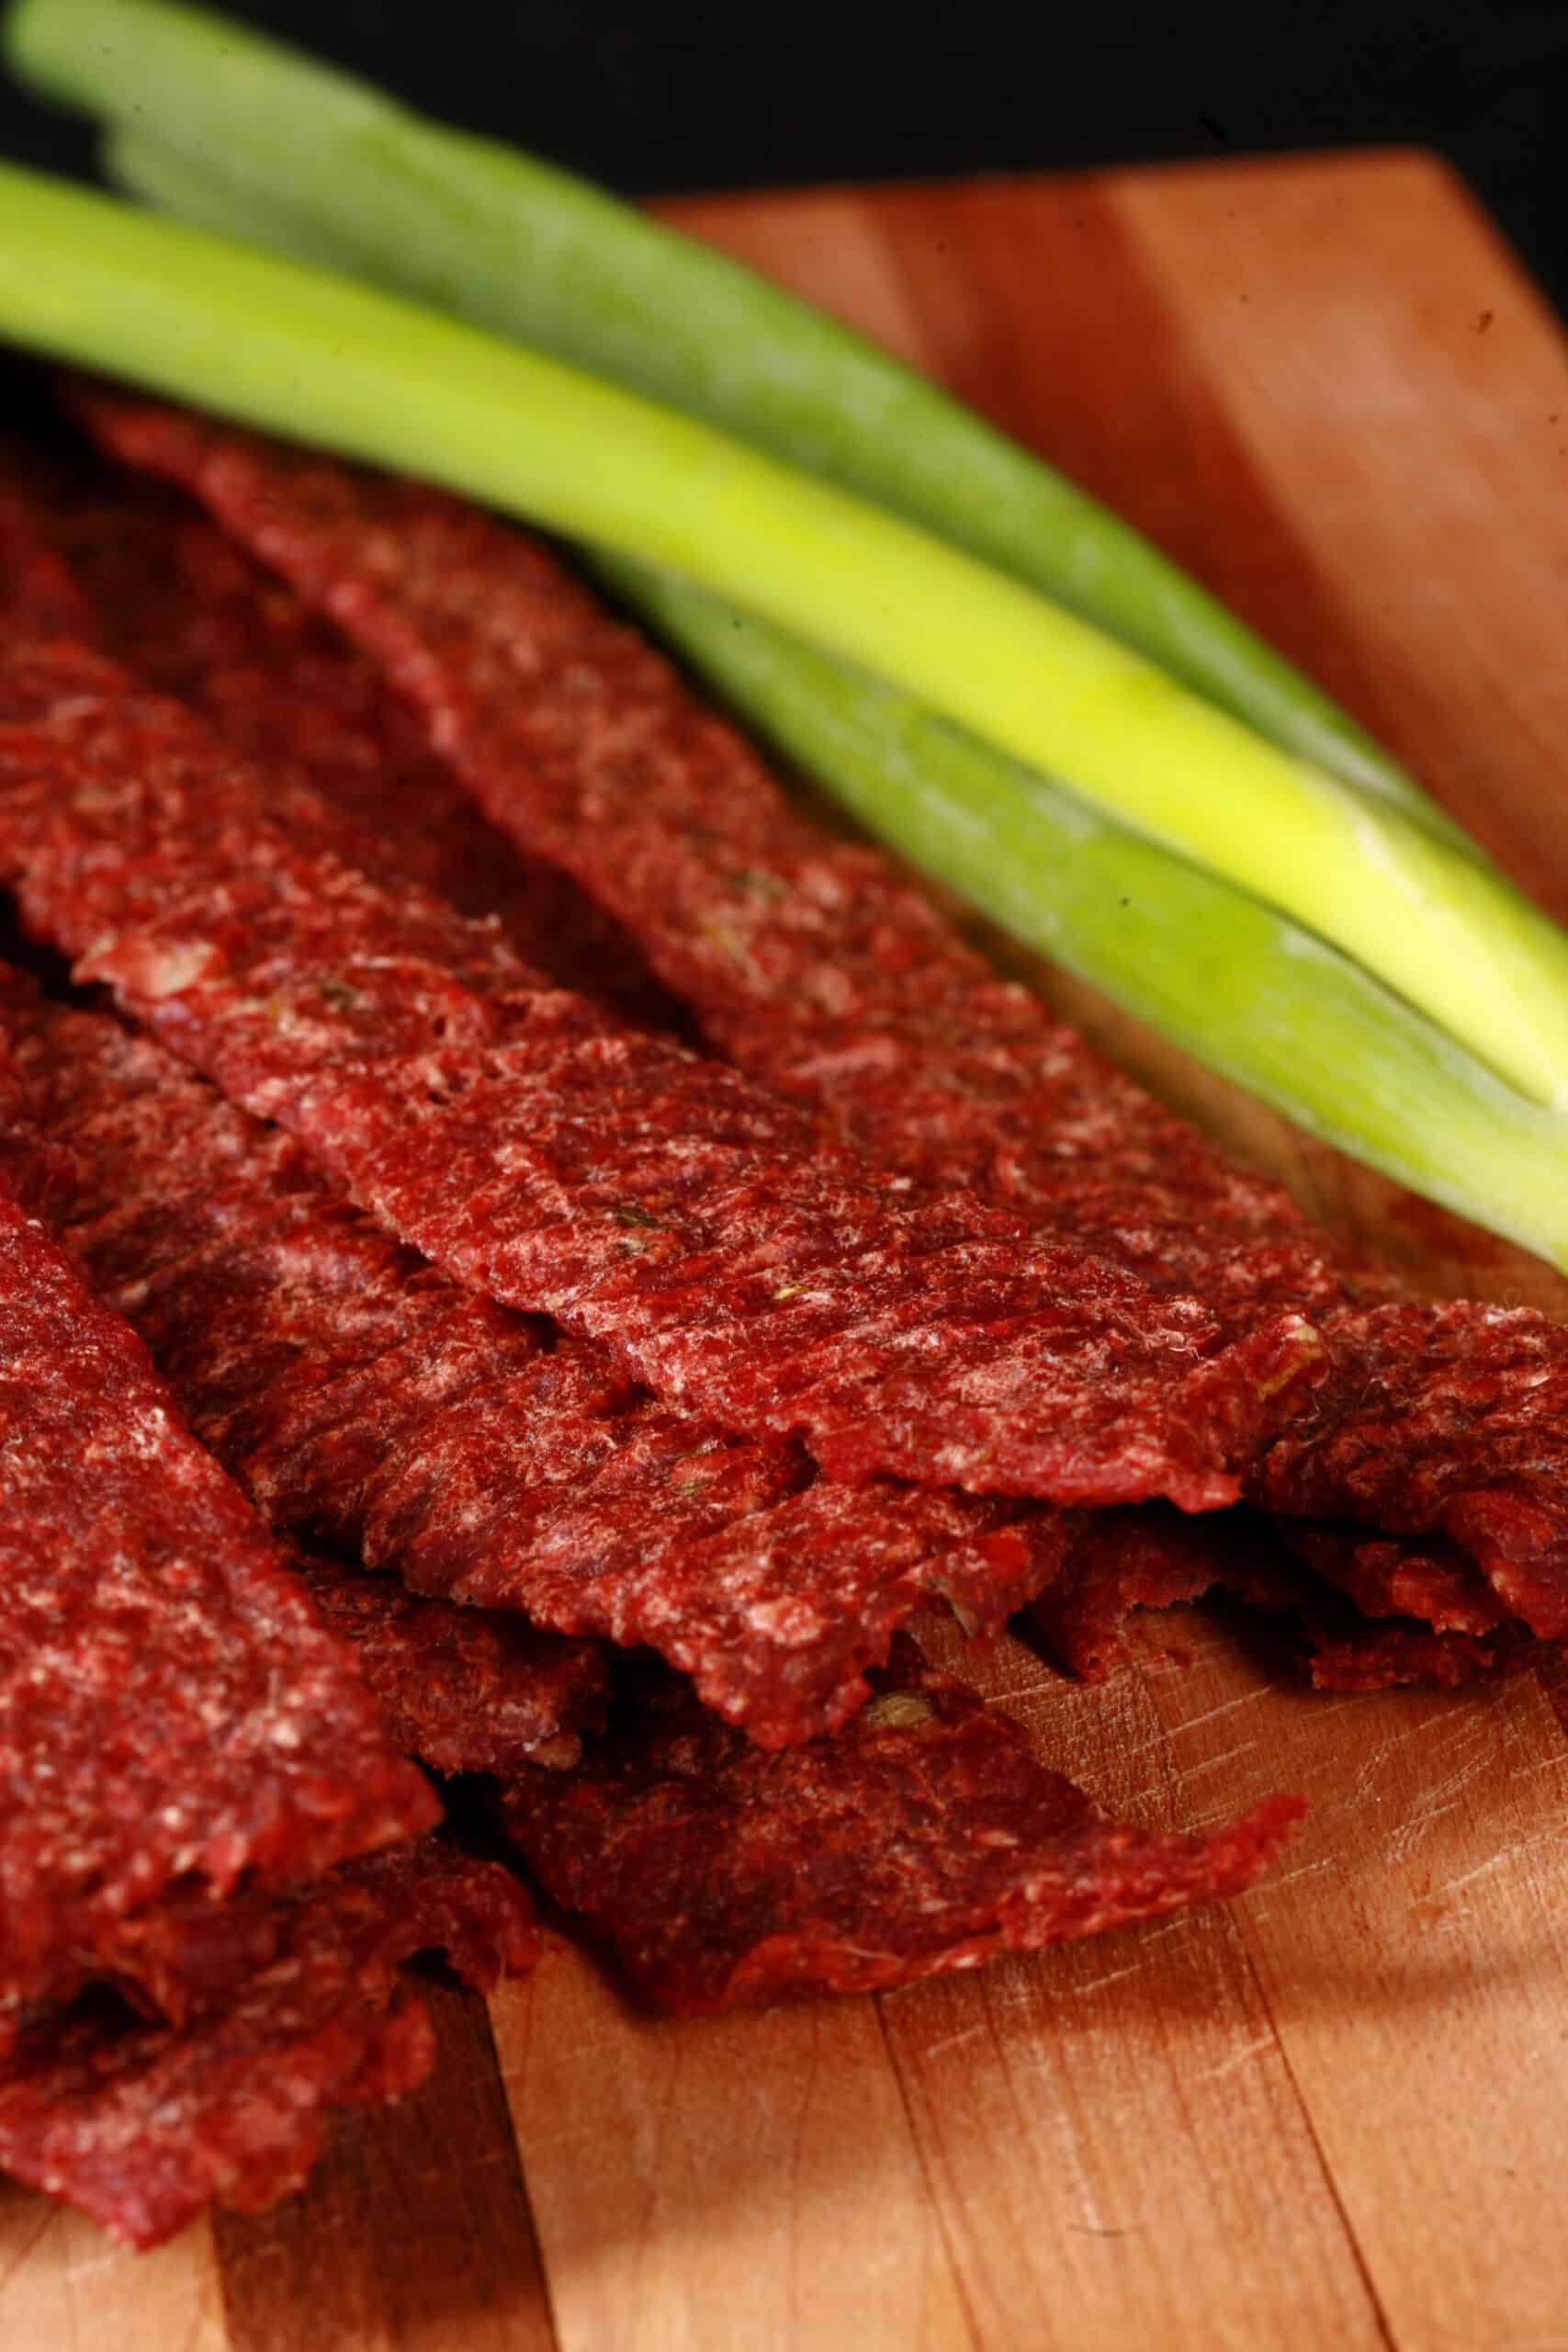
[(735, 93)]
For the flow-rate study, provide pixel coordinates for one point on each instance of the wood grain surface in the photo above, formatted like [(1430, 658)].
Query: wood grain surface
[(1332, 2114)]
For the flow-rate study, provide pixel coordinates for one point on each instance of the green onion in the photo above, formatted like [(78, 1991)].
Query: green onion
[(335, 364), (1261, 1001), (158, 176), (293, 152), (1242, 988)]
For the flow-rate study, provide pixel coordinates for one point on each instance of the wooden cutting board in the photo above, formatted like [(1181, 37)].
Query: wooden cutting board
[(1335, 2113)]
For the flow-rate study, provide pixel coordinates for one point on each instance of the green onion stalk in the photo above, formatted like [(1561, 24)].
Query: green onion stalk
[(334, 363), (244, 133), (1242, 988), (1267, 1002)]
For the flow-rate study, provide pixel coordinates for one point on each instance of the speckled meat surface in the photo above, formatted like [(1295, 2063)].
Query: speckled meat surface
[(1361, 1614), (924, 1837), (815, 964), (1448, 1421), (142, 2125), (1346, 1649), (726, 1252), (210, 631), (315, 1357), (162, 590), (1124, 1560), (821, 970), (1431, 1581), (170, 1709), (360, 1396), (463, 1690)]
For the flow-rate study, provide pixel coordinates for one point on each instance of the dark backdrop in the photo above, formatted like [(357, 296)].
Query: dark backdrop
[(731, 93)]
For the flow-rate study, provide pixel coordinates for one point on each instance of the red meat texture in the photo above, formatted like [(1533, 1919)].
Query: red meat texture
[(729, 1255), (171, 1709), (360, 1396), (39, 594), (432, 1455), (821, 970), (924, 1837), (263, 1302), (278, 1043), (464, 1690), (845, 964), (143, 2125), (1364, 1613), (160, 590)]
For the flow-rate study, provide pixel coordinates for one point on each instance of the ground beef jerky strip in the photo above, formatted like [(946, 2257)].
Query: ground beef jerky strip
[(1371, 1609), (186, 608), (1349, 1651), (224, 1252), (158, 585), (543, 1152), (1363, 1614), (358, 1394), (1122, 1562), (464, 1690), (820, 971), (189, 1956), (191, 611), (170, 1709), (206, 622), (142, 2125), (814, 962), (922, 1838), (162, 590), (1448, 1423)]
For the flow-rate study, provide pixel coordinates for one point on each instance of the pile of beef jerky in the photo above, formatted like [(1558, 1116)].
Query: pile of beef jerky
[(524, 1255)]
